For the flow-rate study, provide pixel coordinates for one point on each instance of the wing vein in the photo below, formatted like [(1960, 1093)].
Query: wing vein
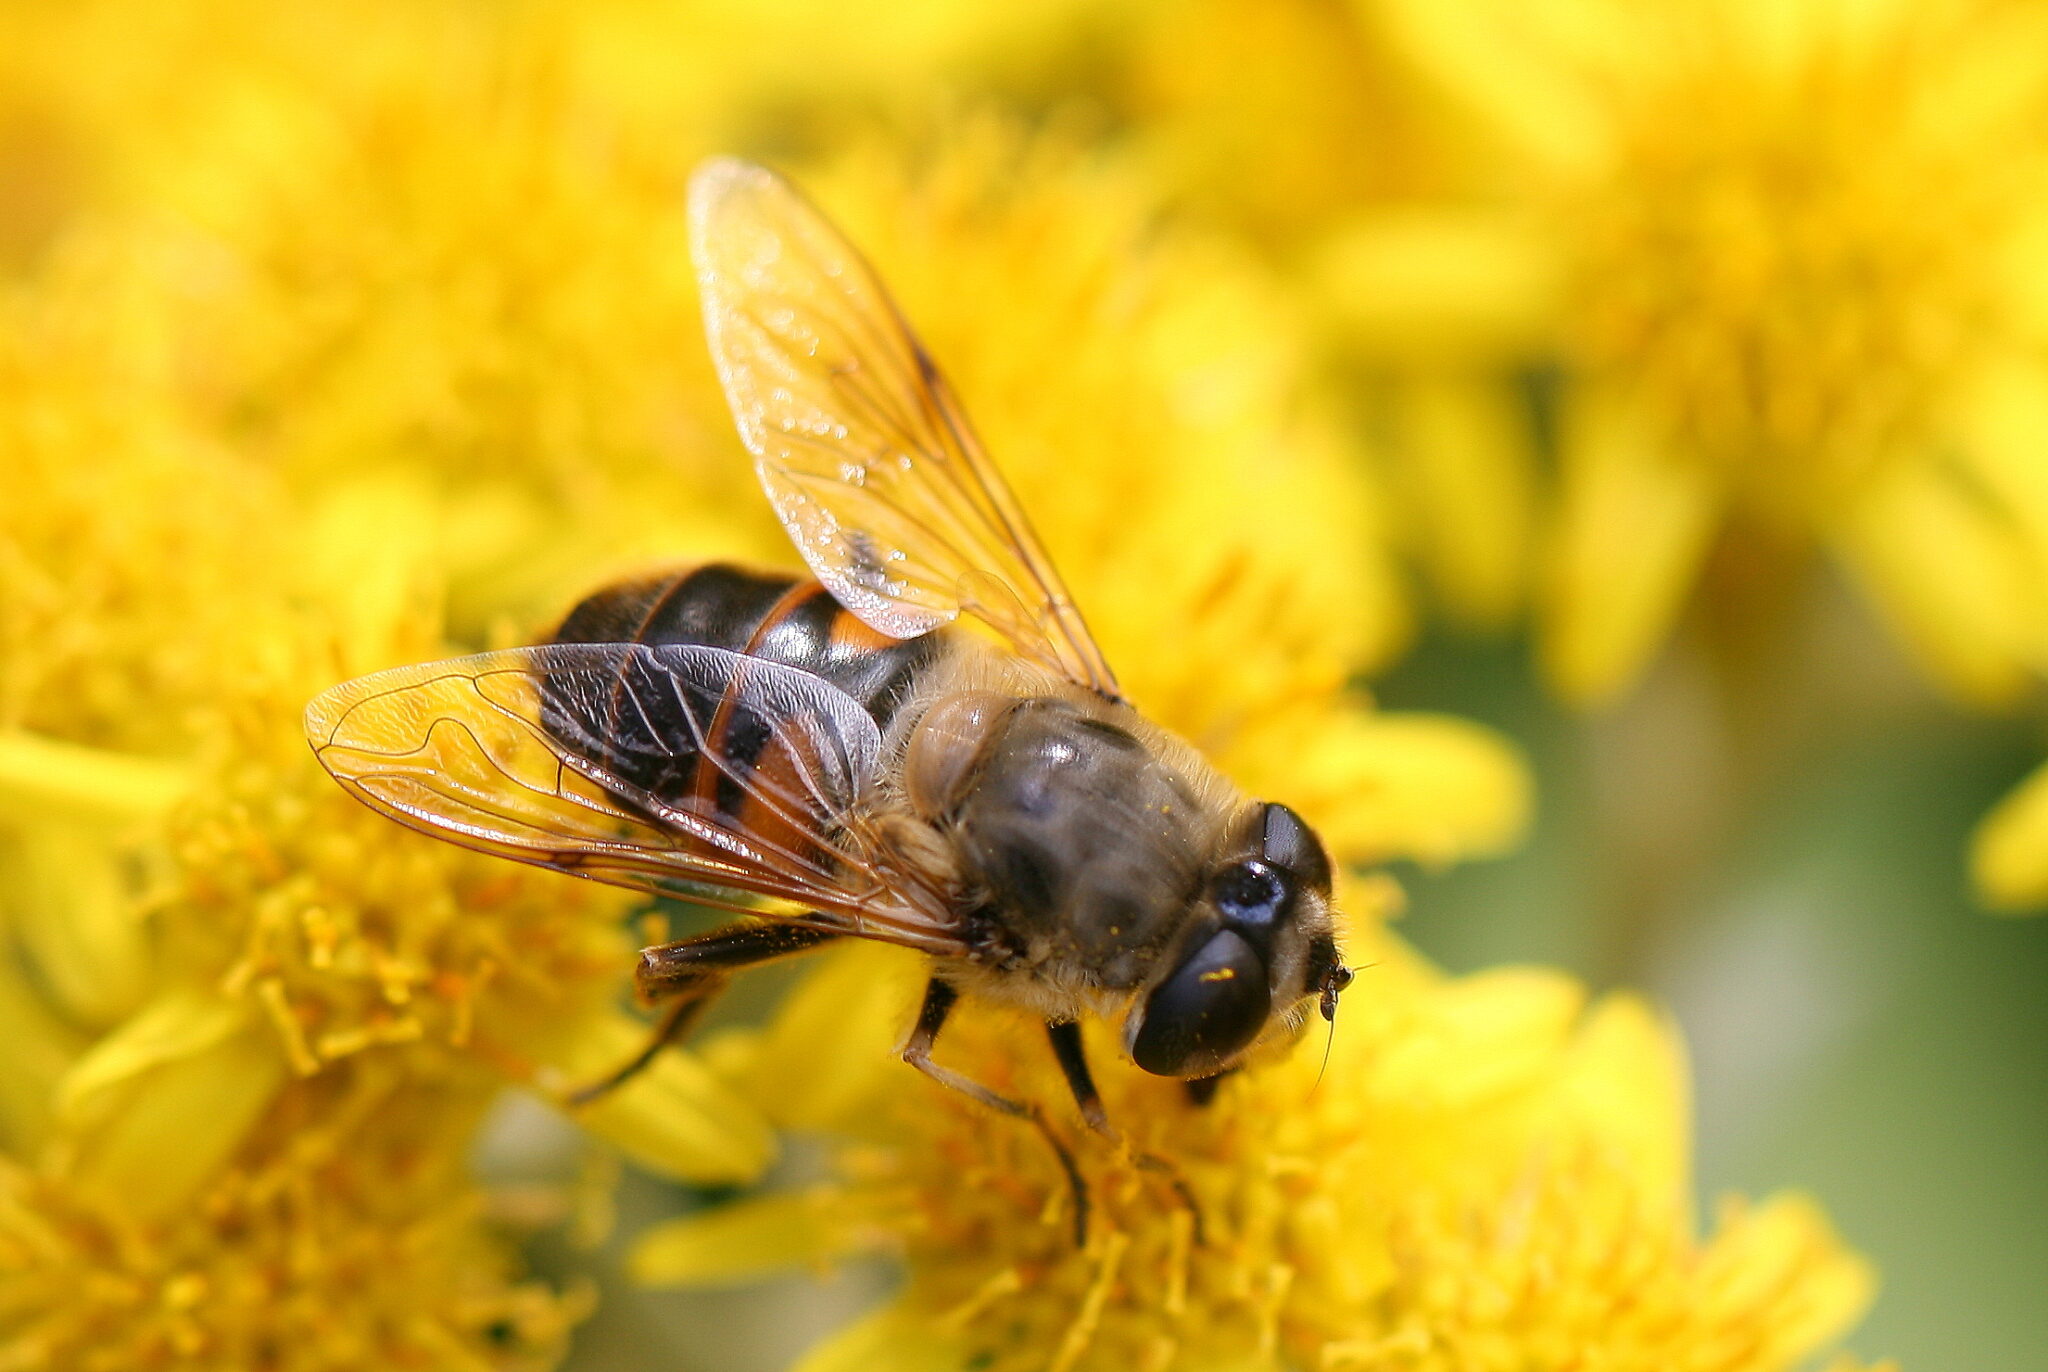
[(871, 463)]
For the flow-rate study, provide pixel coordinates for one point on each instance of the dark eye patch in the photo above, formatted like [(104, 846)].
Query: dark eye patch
[(1288, 843)]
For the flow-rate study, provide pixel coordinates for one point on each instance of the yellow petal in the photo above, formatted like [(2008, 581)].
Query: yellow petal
[(366, 547), (1985, 78), (896, 1337), (1767, 1252), (1378, 785), (68, 894), (42, 778), (833, 1043), (2025, 262), (152, 1110), (1487, 1035), (2009, 852), (1522, 67), (1464, 462), (1950, 574), (744, 1241), (675, 1117), (40, 1049), (2002, 416), (2000, 421), (1634, 525), (68, 889), (1626, 1071)]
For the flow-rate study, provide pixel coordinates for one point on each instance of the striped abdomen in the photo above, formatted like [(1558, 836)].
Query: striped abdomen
[(778, 617)]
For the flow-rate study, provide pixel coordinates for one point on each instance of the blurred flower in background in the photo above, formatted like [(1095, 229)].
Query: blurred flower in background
[(1793, 302), (335, 339), (1783, 266)]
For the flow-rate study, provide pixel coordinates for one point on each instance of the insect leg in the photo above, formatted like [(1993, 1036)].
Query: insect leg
[(939, 999), (671, 969), (689, 974), (1066, 1046)]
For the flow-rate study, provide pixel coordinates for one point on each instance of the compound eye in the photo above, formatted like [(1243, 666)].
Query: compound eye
[(1207, 1012), (1249, 894), (1289, 844)]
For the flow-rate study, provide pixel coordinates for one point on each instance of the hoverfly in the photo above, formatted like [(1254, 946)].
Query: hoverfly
[(841, 747)]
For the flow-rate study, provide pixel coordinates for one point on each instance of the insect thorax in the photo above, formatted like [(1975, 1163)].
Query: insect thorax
[(1080, 834)]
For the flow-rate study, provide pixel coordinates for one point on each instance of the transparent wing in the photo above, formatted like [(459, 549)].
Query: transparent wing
[(865, 454), (664, 769)]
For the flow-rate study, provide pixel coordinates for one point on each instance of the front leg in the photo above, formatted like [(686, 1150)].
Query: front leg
[(939, 999), (1067, 1047)]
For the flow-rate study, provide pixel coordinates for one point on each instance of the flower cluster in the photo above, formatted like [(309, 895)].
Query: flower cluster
[(1471, 1173), (1768, 346), (342, 1234), (1703, 230), (331, 341)]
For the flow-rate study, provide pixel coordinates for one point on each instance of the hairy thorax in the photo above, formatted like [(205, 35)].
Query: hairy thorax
[(1079, 833)]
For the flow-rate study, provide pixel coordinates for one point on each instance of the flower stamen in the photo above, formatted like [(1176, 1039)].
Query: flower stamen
[(1112, 1248)]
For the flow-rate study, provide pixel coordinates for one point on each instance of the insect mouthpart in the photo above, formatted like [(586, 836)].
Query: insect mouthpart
[(1334, 982)]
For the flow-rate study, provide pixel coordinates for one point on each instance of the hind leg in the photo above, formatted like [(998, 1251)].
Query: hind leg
[(686, 976)]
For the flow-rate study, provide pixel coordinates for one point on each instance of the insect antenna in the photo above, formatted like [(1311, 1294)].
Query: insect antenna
[(1339, 978)]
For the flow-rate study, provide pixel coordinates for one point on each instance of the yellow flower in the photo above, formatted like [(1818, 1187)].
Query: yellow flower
[(170, 609), (415, 325), (342, 1234), (1283, 116), (1305, 127), (1772, 341), (206, 950), (260, 1062), (1487, 1172), (101, 547), (204, 963), (353, 935)]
